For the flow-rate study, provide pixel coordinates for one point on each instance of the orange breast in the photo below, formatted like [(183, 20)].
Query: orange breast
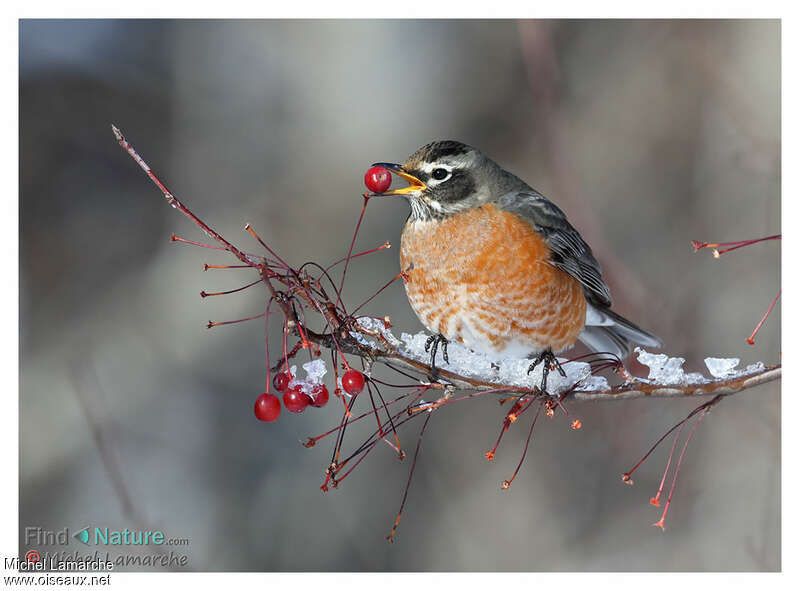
[(482, 278)]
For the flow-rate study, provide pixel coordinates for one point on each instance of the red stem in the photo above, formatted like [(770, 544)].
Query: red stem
[(660, 522), (751, 339), (360, 254), (350, 251), (507, 483), (203, 294)]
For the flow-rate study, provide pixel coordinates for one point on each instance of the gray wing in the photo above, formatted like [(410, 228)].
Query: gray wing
[(570, 253)]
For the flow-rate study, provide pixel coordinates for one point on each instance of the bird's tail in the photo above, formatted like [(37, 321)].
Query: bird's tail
[(607, 331)]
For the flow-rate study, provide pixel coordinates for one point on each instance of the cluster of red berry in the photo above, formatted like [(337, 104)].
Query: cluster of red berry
[(268, 406)]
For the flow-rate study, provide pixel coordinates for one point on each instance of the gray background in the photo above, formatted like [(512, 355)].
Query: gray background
[(647, 133)]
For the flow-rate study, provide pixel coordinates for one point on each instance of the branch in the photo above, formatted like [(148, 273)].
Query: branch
[(346, 334), (300, 293), (632, 387)]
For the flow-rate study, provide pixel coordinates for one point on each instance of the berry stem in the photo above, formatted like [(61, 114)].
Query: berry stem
[(507, 483), (654, 500), (206, 267), (285, 356), (175, 238), (734, 245), (388, 416), (516, 409), (660, 522), (252, 232), (366, 446), (290, 355), (213, 324), (375, 411), (397, 447), (390, 537), (360, 254), (370, 298), (266, 341), (204, 294), (626, 477), (350, 251), (366, 451), (751, 340), (313, 440), (340, 437)]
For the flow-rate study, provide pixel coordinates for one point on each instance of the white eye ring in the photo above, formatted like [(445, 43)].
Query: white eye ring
[(434, 168), (440, 174)]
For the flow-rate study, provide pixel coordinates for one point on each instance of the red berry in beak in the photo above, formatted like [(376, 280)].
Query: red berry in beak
[(267, 408), (353, 382), (378, 179)]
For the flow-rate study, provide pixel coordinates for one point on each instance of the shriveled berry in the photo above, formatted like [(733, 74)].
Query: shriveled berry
[(319, 395), (378, 179), (353, 382), (280, 381), (267, 408), (295, 400)]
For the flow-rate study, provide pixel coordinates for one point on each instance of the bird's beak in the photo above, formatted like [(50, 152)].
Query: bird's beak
[(415, 185)]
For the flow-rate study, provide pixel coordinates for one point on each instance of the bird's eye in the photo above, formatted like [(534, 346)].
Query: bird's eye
[(440, 173)]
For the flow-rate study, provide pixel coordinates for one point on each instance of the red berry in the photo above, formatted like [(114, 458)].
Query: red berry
[(378, 179), (267, 408), (353, 382), (295, 400), (320, 395), (281, 380)]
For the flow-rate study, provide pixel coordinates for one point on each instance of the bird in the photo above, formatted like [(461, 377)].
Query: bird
[(490, 262)]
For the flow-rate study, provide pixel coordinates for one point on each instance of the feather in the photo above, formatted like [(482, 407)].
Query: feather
[(569, 251)]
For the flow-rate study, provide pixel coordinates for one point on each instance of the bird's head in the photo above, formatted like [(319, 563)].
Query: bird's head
[(447, 177)]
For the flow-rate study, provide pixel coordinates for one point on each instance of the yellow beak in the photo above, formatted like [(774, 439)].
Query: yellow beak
[(415, 185)]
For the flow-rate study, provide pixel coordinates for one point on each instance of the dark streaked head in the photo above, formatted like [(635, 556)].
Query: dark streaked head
[(447, 177)]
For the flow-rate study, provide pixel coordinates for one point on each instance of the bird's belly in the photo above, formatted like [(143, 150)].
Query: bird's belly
[(482, 278)]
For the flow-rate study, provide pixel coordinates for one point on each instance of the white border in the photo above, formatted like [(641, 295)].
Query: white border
[(363, 9)]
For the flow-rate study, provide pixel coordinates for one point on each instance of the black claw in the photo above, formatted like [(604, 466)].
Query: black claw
[(550, 361), (432, 345), (429, 342)]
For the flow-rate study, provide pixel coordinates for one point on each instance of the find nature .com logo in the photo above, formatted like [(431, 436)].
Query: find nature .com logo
[(100, 536), (110, 548)]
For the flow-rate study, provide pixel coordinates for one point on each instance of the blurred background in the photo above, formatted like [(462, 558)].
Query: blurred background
[(648, 134)]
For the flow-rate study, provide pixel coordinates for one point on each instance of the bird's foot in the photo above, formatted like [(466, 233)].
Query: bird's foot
[(550, 362), (432, 345)]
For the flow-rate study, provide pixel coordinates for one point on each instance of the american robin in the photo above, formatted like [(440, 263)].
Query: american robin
[(491, 263)]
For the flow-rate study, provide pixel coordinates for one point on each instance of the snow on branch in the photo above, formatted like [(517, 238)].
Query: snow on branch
[(470, 370)]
